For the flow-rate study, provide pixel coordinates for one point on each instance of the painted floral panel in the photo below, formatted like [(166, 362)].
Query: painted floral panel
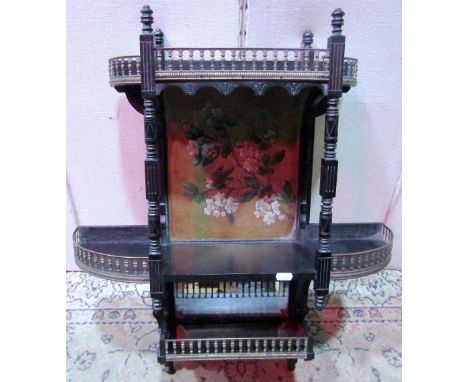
[(233, 164)]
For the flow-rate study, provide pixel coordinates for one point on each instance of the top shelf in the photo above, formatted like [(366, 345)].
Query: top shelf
[(191, 64)]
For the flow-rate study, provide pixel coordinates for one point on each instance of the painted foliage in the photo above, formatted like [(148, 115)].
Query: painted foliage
[(233, 164)]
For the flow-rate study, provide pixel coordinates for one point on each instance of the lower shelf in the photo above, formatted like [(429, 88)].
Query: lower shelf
[(121, 252), (249, 341)]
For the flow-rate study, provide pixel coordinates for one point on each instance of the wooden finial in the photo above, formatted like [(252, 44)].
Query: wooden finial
[(159, 38), (307, 39), (337, 21), (147, 19)]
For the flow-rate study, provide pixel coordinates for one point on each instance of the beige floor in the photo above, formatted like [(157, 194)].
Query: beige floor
[(112, 336)]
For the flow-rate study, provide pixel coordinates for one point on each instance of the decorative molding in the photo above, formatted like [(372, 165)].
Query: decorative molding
[(235, 348), (232, 64)]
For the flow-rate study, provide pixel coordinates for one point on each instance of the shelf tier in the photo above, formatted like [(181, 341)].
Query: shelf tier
[(211, 261), (184, 67), (238, 341), (121, 252)]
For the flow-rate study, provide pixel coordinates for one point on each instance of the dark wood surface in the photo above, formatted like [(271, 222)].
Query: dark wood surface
[(199, 260), (233, 330)]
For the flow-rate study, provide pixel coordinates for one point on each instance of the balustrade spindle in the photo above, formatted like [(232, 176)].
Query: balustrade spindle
[(180, 53), (296, 60), (223, 57), (169, 59), (190, 52), (202, 59), (212, 65)]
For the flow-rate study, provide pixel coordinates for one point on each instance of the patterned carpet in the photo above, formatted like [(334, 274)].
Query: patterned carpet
[(112, 336)]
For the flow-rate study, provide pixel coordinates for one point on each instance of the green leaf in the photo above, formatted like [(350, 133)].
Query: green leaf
[(202, 140), (277, 157), (265, 170), (196, 160), (283, 197), (265, 159), (190, 135), (198, 198), (266, 190), (190, 188), (226, 150), (270, 134), (209, 159), (256, 140), (251, 181), (248, 196), (231, 218), (229, 171)]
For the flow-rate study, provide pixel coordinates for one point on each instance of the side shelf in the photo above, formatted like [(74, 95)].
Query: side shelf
[(120, 252)]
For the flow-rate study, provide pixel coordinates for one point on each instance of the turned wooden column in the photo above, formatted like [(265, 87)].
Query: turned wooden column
[(152, 170), (329, 166)]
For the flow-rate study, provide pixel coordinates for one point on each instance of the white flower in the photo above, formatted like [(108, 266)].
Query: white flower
[(232, 205), (269, 210), (219, 199), (275, 207), (219, 205), (208, 210), (269, 218)]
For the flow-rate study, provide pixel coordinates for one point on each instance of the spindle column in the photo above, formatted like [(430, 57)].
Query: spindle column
[(152, 170), (329, 165)]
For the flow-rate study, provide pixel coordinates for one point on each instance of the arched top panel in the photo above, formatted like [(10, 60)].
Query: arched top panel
[(227, 87)]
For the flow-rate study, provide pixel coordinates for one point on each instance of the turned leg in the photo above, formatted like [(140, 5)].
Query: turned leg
[(169, 368), (292, 364)]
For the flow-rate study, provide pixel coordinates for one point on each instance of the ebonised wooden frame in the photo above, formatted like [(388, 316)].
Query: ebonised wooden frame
[(162, 293)]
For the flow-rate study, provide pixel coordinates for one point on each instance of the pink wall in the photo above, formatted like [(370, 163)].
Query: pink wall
[(105, 147)]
